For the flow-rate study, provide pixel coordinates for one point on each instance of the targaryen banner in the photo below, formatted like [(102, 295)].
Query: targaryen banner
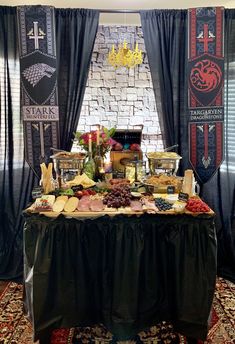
[(39, 101), (205, 89)]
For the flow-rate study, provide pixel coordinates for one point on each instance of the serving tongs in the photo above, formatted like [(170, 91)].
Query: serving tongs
[(169, 148)]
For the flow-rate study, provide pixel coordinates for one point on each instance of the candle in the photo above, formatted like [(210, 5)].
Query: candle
[(101, 170), (89, 142), (98, 136)]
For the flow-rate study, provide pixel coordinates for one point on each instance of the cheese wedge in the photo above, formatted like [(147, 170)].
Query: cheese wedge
[(71, 204), (83, 179), (188, 182)]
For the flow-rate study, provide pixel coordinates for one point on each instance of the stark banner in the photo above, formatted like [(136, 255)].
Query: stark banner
[(39, 100), (205, 90)]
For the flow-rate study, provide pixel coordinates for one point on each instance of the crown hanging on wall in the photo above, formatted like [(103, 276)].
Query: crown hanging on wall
[(125, 57)]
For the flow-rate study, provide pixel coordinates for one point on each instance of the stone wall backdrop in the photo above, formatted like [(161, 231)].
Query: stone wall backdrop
[(123, 97)]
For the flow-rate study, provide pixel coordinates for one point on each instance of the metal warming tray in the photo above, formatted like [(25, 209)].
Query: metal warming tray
[(159, 188), (67, 165), (167, 162), (68, 161)]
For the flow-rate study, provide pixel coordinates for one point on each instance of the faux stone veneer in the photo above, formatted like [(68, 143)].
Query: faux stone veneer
[(123, 97)]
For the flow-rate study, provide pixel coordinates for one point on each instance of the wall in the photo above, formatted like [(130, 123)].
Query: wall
[(121, 97)]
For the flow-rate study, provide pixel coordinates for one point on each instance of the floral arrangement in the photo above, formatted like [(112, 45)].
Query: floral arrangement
[(96, 142)]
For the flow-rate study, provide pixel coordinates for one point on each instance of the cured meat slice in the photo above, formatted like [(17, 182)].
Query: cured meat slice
[(150, 206), (71, 204), (84, 204), (96, 205), (136, 206)]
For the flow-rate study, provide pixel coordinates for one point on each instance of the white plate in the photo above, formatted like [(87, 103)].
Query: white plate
[(172, 198), (136, 194)]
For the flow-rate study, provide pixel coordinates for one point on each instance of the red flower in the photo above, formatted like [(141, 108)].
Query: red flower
[(85, 138)]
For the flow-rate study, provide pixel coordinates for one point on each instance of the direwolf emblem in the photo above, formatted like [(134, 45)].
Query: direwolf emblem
[(36, 72)]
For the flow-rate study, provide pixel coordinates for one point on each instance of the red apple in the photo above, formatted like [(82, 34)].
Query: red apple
[(118, 146), (135, 147)]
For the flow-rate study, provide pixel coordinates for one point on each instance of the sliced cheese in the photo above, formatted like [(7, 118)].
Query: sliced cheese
[(83, 179), (71, 204), (58, 206), (62, 197)]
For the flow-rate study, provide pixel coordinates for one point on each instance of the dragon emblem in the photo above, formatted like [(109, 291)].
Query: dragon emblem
[(205, 76), (36, 72)]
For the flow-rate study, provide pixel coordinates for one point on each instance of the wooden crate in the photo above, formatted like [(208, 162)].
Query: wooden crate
[(117, 156), (125, 137)]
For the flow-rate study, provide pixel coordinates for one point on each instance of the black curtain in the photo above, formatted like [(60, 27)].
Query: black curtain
[(76, 31), (16, 179), (165, 36), (165, 40)]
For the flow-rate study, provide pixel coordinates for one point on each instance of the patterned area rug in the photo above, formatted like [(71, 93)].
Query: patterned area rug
[(16, 329)]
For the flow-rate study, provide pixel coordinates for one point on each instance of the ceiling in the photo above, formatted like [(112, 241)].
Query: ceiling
[(120, 18)]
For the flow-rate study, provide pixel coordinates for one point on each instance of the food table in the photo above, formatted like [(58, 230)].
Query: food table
[(127, 272)]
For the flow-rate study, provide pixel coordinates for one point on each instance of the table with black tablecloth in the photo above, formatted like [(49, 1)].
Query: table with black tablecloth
[(127, 272)]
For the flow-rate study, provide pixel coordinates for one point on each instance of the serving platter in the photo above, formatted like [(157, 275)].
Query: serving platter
[(114, 211)]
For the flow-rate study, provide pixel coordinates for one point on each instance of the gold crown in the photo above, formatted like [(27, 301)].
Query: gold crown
[(125, 57)]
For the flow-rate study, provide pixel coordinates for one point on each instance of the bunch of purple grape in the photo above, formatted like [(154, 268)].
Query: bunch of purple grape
[(120, 196)]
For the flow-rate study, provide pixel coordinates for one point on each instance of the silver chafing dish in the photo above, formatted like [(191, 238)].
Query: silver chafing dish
[(160, 183), (163, 162), (67, 165)]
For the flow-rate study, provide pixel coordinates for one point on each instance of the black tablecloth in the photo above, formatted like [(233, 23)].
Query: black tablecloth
[(125, 272)]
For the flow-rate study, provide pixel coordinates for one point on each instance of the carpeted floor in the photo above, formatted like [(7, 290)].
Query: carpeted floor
[(15, 328)]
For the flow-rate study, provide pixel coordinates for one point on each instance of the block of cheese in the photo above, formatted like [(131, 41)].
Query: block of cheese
[(50, 198), (188, 182), (45, 203), (71, 204)]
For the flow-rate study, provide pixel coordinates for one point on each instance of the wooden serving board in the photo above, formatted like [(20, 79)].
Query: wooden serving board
[(112, 212), (90, 214)]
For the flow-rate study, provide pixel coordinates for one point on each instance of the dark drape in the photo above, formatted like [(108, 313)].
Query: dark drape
[(165, 40), (15, 176), (76, 30), (165, 35), (125, 272)]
